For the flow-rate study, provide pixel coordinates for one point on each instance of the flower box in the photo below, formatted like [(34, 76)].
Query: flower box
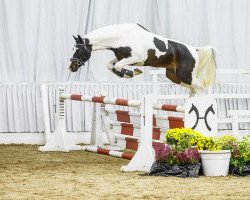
[(215, 163)]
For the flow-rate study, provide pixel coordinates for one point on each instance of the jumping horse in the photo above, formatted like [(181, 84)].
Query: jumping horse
[(134, 45)]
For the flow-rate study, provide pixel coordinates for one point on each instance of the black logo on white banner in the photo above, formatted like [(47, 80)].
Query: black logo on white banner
[(210, 109)]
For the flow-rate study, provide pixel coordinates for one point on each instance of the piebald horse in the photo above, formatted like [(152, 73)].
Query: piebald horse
[(134, 45)]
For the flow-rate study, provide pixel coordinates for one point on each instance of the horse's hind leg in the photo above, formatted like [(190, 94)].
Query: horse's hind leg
[(197, 83), (122, 72), (170, 74), (191, 88), (185, 73)]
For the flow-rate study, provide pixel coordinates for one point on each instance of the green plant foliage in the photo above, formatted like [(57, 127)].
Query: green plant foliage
[(241, 153)]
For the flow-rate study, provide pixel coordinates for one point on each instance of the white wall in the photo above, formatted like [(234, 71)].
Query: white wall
[(36, 35), (36, 45)]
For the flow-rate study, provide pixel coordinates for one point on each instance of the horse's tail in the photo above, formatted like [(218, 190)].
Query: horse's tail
[(206, 70)]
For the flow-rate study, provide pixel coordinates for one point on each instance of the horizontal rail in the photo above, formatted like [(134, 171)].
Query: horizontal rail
[(101, 99), (232, 71), (239, 112), (167, 107), (216, 96), (230, 120)]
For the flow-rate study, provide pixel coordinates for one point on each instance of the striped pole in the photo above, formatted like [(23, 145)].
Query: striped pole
[(167, 107), (100, 99), (118, 154)]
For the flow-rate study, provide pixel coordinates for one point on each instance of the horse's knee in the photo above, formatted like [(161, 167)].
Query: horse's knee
[(117, 67), (109, 66)]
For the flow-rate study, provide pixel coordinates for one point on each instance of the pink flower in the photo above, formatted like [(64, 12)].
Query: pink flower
[(162, 151)]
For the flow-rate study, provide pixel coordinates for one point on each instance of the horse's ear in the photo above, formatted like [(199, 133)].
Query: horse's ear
[(80, 39), (75, 38)]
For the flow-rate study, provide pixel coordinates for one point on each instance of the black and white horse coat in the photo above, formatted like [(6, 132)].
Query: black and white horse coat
[(134, 45)]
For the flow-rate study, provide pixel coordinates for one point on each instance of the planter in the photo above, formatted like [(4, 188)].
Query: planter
[(215, 163)]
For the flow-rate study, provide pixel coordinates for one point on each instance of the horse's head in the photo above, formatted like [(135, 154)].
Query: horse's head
[(82, 53)]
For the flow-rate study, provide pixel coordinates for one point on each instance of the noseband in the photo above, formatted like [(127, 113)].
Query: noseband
[(79, 62)]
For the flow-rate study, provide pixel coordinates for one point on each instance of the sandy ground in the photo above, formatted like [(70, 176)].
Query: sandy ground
[(26, 173)]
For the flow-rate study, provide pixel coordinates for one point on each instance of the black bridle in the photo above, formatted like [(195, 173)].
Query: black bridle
[(78, 61)]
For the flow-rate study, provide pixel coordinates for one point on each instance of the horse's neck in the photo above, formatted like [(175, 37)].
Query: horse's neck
[(107, 37), (96, 37)]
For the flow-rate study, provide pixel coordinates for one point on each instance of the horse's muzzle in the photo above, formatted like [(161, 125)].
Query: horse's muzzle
[(73, 68)]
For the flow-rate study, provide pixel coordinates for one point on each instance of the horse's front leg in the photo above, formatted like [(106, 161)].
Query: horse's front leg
[(111, 65), (122, 72)]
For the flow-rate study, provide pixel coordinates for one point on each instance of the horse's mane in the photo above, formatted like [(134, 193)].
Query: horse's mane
[(143, 27)]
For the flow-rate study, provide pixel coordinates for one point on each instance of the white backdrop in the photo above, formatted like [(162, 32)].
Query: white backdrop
[(36, 45), (36, 35)]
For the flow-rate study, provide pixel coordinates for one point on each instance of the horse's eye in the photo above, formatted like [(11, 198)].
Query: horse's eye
[(78, 63)]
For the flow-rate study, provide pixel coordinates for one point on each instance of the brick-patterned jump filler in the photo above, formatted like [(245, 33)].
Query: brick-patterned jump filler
[(125, 125), (134, 118), (120, 102)]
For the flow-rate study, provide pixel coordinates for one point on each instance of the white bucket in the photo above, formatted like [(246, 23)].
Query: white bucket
[(215, 163)]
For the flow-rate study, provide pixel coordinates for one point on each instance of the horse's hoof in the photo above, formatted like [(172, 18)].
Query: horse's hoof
[(137, 71), (120, 74), (127, 72)]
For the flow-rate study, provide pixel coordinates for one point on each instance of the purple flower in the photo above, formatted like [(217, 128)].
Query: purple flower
[(162, 151), (189, 156)]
